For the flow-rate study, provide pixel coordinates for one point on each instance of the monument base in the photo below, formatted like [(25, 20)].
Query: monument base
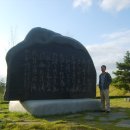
[(57, 106)]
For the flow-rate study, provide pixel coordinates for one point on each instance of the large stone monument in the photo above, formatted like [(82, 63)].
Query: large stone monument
[(49, 67)]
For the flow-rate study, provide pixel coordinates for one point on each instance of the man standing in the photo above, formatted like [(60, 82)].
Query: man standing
[(104, 82)]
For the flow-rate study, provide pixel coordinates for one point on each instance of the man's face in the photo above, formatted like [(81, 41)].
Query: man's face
[(103, 69)]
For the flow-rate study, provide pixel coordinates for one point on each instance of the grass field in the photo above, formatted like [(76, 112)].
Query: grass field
[(78, 121), (19, 121), (113, 91)]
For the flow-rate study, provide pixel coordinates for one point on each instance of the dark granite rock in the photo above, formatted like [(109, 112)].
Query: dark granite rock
[(47, 65)]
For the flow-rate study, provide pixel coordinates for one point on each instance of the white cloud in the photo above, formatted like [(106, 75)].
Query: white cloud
[(107, 5), (109, 52), (82, 3), (117, 35), (114, 5)]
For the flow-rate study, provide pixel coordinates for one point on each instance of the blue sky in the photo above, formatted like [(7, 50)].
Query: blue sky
[(102, 26)]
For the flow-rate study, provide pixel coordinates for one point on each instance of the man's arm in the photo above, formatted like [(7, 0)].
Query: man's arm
[(109, 78)]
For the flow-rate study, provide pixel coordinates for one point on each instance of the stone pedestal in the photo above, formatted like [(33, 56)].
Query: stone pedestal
[(52, 107)]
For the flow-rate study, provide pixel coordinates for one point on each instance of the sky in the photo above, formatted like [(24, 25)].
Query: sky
[(102, 26)]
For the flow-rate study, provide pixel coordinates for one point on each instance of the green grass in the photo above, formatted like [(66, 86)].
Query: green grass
[(120, 103), (113, 91), (19, 121), (78, 121)]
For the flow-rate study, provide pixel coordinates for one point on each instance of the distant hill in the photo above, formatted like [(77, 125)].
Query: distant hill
[(113, 91)]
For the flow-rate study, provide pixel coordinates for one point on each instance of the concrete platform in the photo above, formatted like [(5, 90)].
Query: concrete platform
[(52, 107)]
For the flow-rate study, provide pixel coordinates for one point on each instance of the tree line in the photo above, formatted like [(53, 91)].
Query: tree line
[(122, 74)]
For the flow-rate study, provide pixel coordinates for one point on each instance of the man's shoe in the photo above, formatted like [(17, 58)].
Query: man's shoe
[(107, 111)]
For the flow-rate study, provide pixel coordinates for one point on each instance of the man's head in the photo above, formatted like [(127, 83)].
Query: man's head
[(103, 68)]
